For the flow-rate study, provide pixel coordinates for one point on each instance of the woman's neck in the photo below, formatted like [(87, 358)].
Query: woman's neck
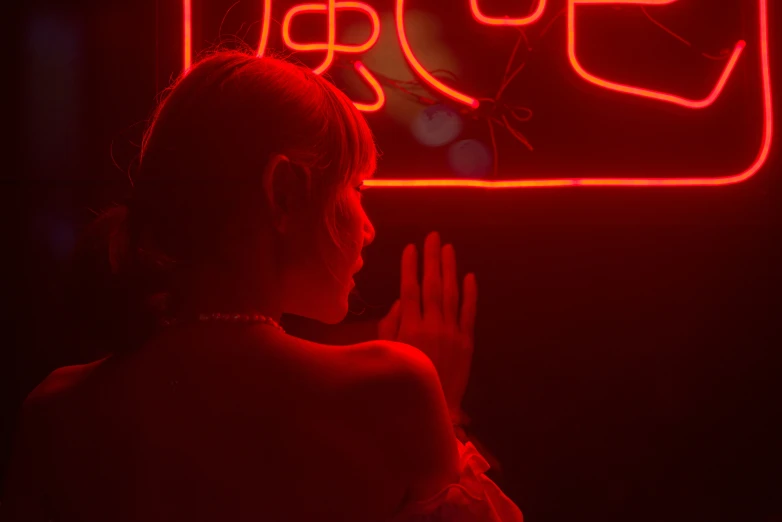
[(211, 292)]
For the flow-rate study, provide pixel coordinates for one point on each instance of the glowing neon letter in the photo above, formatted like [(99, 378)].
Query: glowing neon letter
[(331, 9), (420, 70), (331, 46), (637, 91), (527, 20), (381, 97), (267, 18), (187, 37)]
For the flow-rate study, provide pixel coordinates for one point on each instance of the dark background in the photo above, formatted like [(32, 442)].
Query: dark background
[(627, 346)]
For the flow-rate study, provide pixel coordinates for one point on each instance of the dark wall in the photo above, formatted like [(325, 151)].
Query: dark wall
[(627, 354)]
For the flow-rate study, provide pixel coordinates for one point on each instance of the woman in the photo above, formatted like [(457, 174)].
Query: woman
[(246, 206)]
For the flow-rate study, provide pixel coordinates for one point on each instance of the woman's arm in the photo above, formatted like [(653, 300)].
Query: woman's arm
[(417, 427), (442, 485)]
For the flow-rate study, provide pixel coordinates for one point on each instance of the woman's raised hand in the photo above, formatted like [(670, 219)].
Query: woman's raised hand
[(428, 315)]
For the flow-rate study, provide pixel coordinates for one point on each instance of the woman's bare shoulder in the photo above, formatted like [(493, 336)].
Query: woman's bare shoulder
[(54, 392), (385, 362), (397, 378), (62, 380)]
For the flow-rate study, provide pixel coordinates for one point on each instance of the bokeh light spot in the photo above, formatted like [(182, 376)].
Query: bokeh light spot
[(470, 158), (437, 125)]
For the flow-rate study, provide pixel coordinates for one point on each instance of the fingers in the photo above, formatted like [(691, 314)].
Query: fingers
[(432, 286), (450, 285), (410, 292), (469, 306)]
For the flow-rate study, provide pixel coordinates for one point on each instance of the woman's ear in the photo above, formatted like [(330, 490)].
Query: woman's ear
[(279, 188)]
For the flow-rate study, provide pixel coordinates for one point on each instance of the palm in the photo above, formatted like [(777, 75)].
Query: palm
[(428, 316)]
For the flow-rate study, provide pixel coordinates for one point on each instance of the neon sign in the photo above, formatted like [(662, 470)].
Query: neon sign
[(450, 92)]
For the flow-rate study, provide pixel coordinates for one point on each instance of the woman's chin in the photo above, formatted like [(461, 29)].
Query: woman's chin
[(335, 312), (327, 310), (336, 315)]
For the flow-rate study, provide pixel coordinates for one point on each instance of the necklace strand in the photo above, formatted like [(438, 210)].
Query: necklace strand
[(230, 318)]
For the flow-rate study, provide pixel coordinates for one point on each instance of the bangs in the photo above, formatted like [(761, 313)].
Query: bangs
[(351, 136)]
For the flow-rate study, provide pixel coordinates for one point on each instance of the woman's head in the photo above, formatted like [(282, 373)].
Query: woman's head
[(245, 197)]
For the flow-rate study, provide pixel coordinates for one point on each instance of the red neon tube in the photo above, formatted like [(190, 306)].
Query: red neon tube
[(420, 70), (265, 23), (317, 8), (638, 91), (527, 20), (187, 24), (379, 94)]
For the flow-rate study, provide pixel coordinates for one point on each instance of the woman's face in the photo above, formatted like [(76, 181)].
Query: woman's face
[(319, 278)]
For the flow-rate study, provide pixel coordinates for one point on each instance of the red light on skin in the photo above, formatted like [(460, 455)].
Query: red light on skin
[(760, 159), (527, 20), (267, 18), (332, 47), (187, 12), (420, 70), (381, 97), (638, 91)]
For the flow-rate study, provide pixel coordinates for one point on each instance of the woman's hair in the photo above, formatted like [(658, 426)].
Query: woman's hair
[(196, 193)]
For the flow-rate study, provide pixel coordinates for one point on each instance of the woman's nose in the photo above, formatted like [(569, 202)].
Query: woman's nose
[(369, 232)]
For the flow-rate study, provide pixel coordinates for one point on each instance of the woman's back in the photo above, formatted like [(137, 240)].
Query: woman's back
[(215, 423), (246, 199)]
